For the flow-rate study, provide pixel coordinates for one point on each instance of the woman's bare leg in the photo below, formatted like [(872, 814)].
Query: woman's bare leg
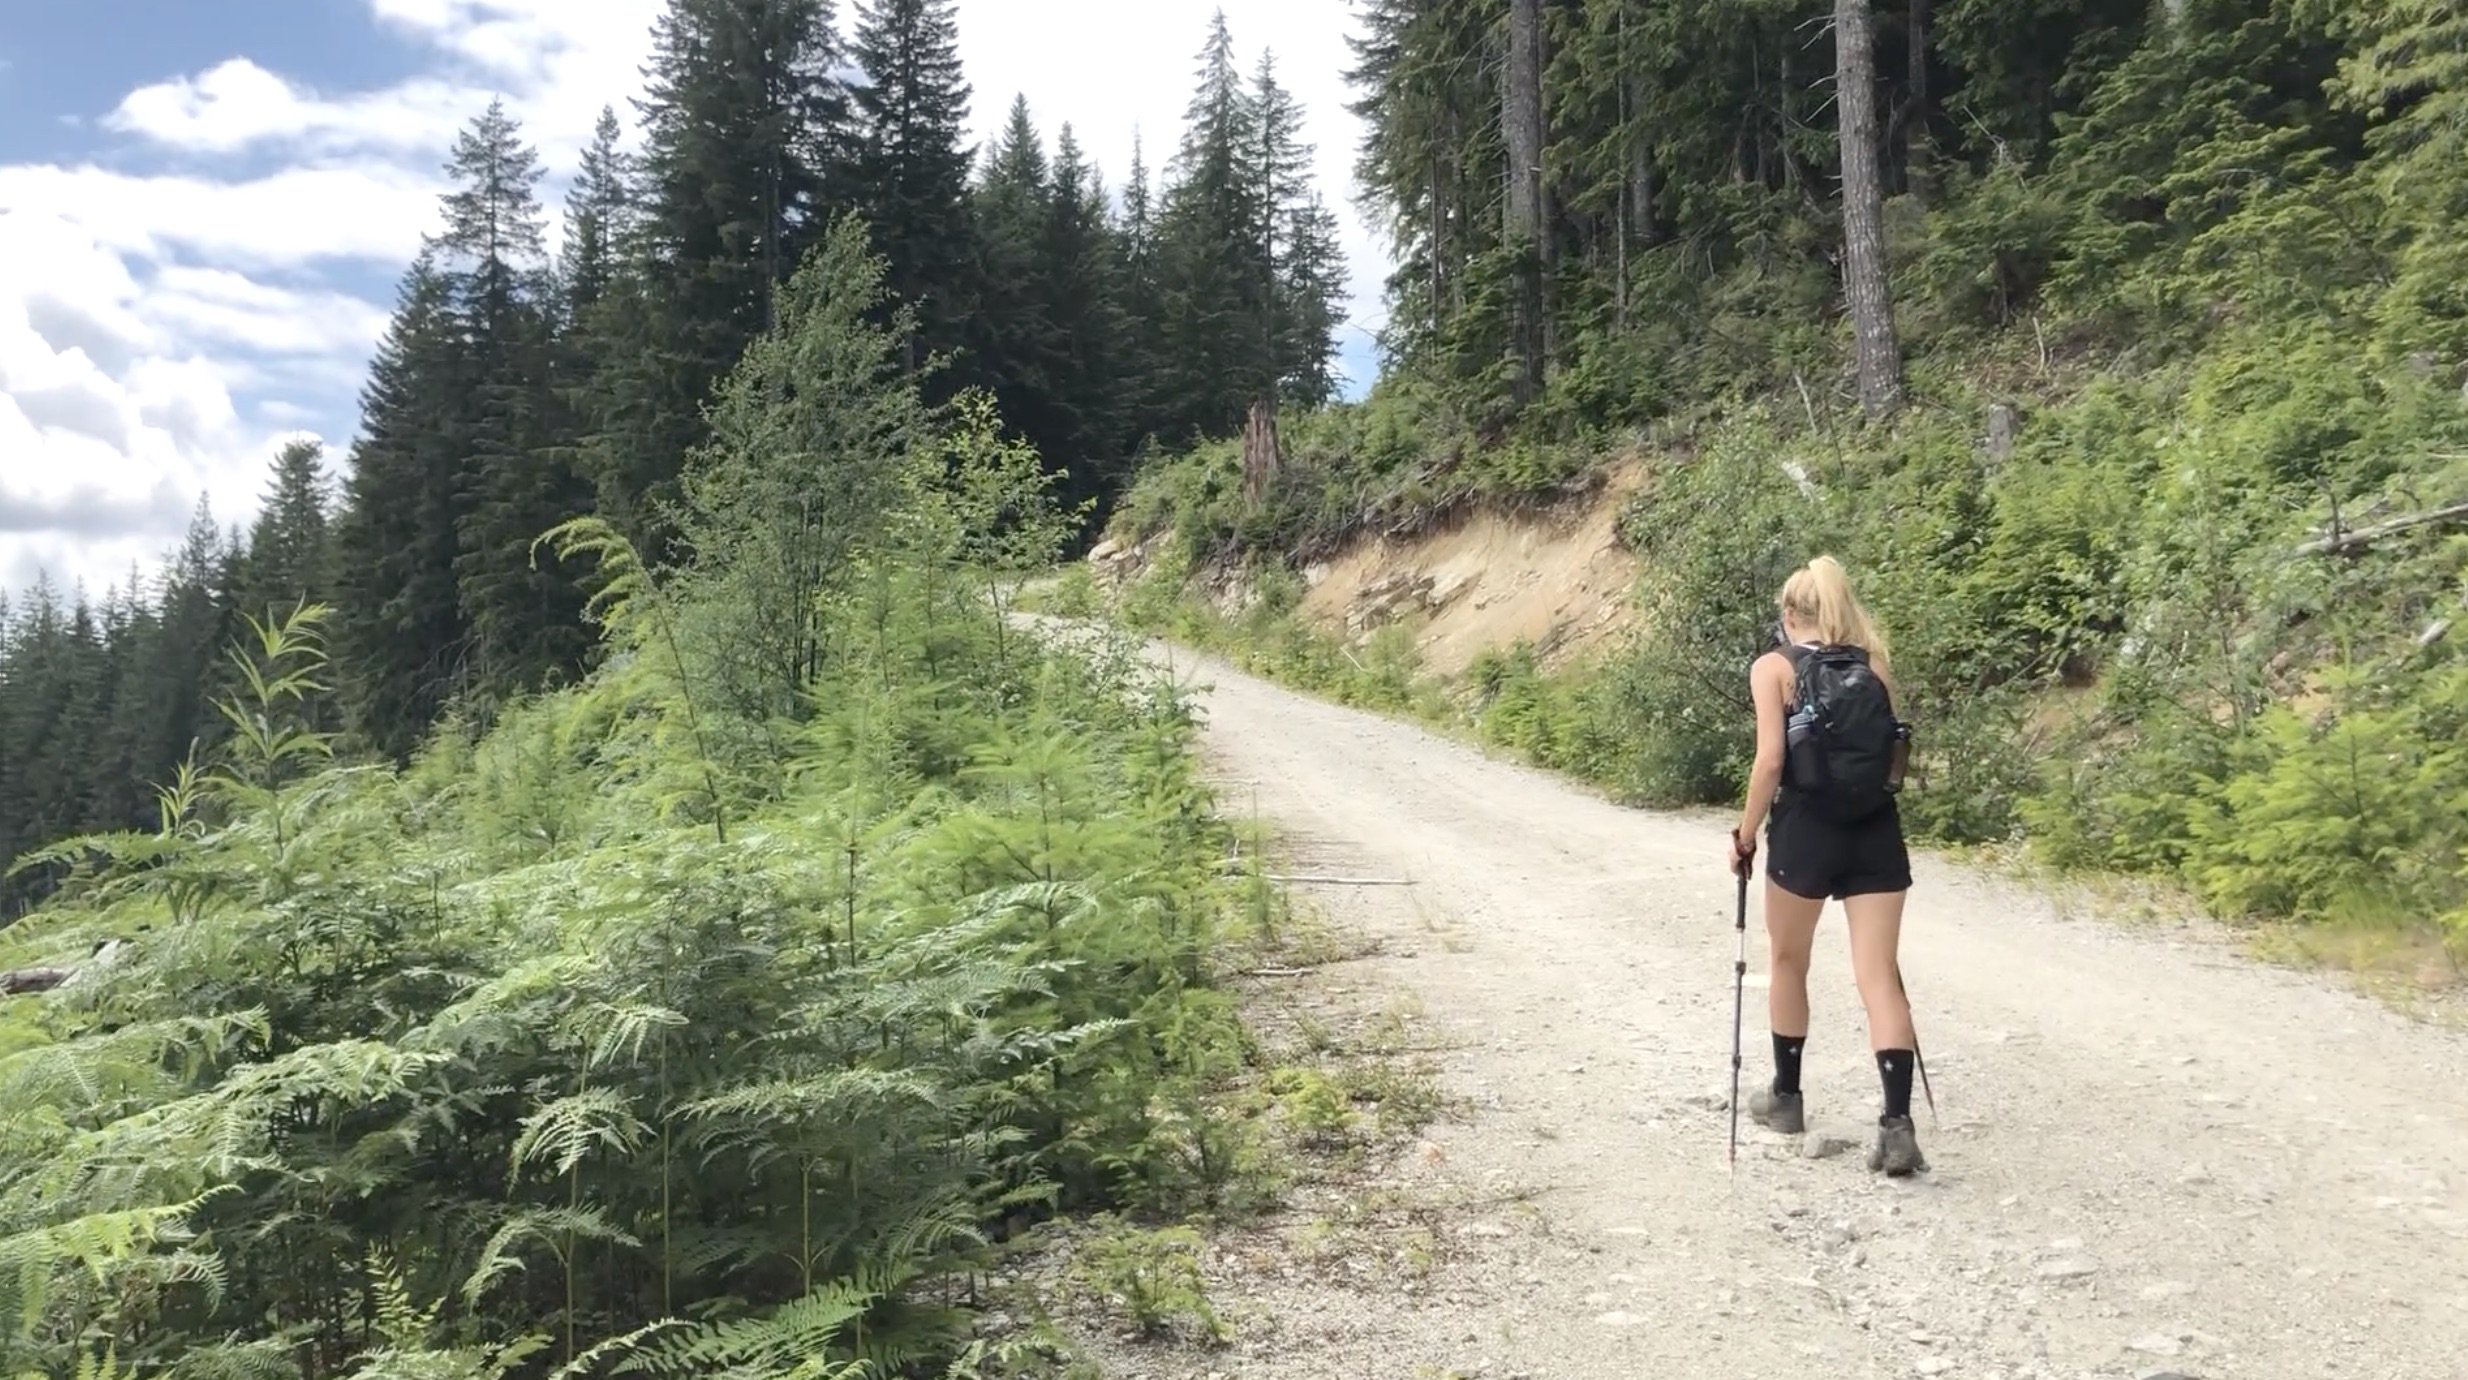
[(1790, 936), (1876, 943)]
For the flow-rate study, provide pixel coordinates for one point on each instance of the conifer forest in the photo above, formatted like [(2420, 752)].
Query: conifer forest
[(596, 878)]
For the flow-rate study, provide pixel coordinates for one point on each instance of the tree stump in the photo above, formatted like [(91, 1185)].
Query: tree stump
[(2004, 428)]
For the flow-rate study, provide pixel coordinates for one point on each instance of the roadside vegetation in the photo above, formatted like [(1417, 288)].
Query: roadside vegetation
[(2167, 500)]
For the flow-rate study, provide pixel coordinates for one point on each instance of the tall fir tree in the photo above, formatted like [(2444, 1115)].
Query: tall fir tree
[(1212, 269), (400, 640), (1141, 371), (598, 225), (1083, 289), (912, 163), (746, 146), (290, 556), (524, 614), (1303, 265), (1015, 350)]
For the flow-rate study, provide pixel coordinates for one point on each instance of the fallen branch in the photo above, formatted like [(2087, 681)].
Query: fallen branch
[(28, 980), (2350, 543), (33, 980)]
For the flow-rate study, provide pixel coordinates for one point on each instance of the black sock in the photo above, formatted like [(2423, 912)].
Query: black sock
[(1787, 1063), (1894, 1066)]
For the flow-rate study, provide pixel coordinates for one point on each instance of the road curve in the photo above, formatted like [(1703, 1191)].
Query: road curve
[(2154, 1158)]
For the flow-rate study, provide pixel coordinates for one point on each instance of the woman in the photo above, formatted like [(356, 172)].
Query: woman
[(1864, 865)]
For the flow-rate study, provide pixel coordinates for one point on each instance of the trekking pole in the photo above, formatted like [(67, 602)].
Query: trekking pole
[(1917, 1058), (1739, 984)]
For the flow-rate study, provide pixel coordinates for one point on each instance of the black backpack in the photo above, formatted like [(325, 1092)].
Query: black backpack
[(1843, 749)]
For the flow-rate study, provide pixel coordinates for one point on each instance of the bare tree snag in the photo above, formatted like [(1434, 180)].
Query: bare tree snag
[(1259, 454), (1863, 212)]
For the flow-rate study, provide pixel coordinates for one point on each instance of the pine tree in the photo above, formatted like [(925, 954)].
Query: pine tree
[(177, 683), (2408, 73), (1016, 350), (524, 616), (290, 555), (1311, 288), (1211, 259), (744, 162), (912, 163), (400, 636), (1304, 266), (598, 225), (1083, 292)]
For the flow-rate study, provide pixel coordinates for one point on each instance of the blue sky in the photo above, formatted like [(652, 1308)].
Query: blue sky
[(204, 208)]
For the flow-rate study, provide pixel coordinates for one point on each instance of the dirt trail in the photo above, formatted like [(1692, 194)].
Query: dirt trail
[(2154, 1158)]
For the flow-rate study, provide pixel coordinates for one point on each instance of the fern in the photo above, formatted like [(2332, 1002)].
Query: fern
[(652, 1028)]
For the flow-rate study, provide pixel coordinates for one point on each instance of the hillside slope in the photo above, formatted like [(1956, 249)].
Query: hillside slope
[(1485, 579), (2151, 1157)]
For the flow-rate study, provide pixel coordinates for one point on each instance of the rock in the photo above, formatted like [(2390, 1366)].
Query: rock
[(2161, 1375), (2068, 1267), (2157, 1344), (2194, 1176), (1821, 1145), (1932, 1365), (1621, 1319), (1490, 1229), (2166, 1289)]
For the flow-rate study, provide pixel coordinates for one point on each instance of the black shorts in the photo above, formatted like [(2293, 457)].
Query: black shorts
[(1816, 859)]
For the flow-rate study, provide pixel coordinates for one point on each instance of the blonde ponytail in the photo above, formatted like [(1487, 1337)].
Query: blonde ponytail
[(1818, 597)]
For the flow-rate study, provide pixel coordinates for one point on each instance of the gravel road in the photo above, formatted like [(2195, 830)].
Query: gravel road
[(2154, 1158)]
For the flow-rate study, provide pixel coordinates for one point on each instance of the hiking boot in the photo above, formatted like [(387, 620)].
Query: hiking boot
[(1898, 1149), (1784, 1112)]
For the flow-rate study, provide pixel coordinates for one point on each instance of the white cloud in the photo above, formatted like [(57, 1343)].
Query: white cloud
[(161, 333), (111, 425), (237, 105), (285, 219)]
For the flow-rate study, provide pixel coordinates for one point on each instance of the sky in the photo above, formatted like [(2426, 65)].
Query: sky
[(205, 207)]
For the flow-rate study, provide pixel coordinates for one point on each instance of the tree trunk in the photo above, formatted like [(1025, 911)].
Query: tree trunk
[(1521, 118), (1863, 213), (1919, 66), (1913, 127), (1439, 255)]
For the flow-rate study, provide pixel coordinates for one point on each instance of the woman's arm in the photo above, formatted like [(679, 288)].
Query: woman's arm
[(1766, 687)]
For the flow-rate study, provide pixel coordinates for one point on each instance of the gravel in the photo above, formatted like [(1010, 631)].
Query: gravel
[(2152, 1151)]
